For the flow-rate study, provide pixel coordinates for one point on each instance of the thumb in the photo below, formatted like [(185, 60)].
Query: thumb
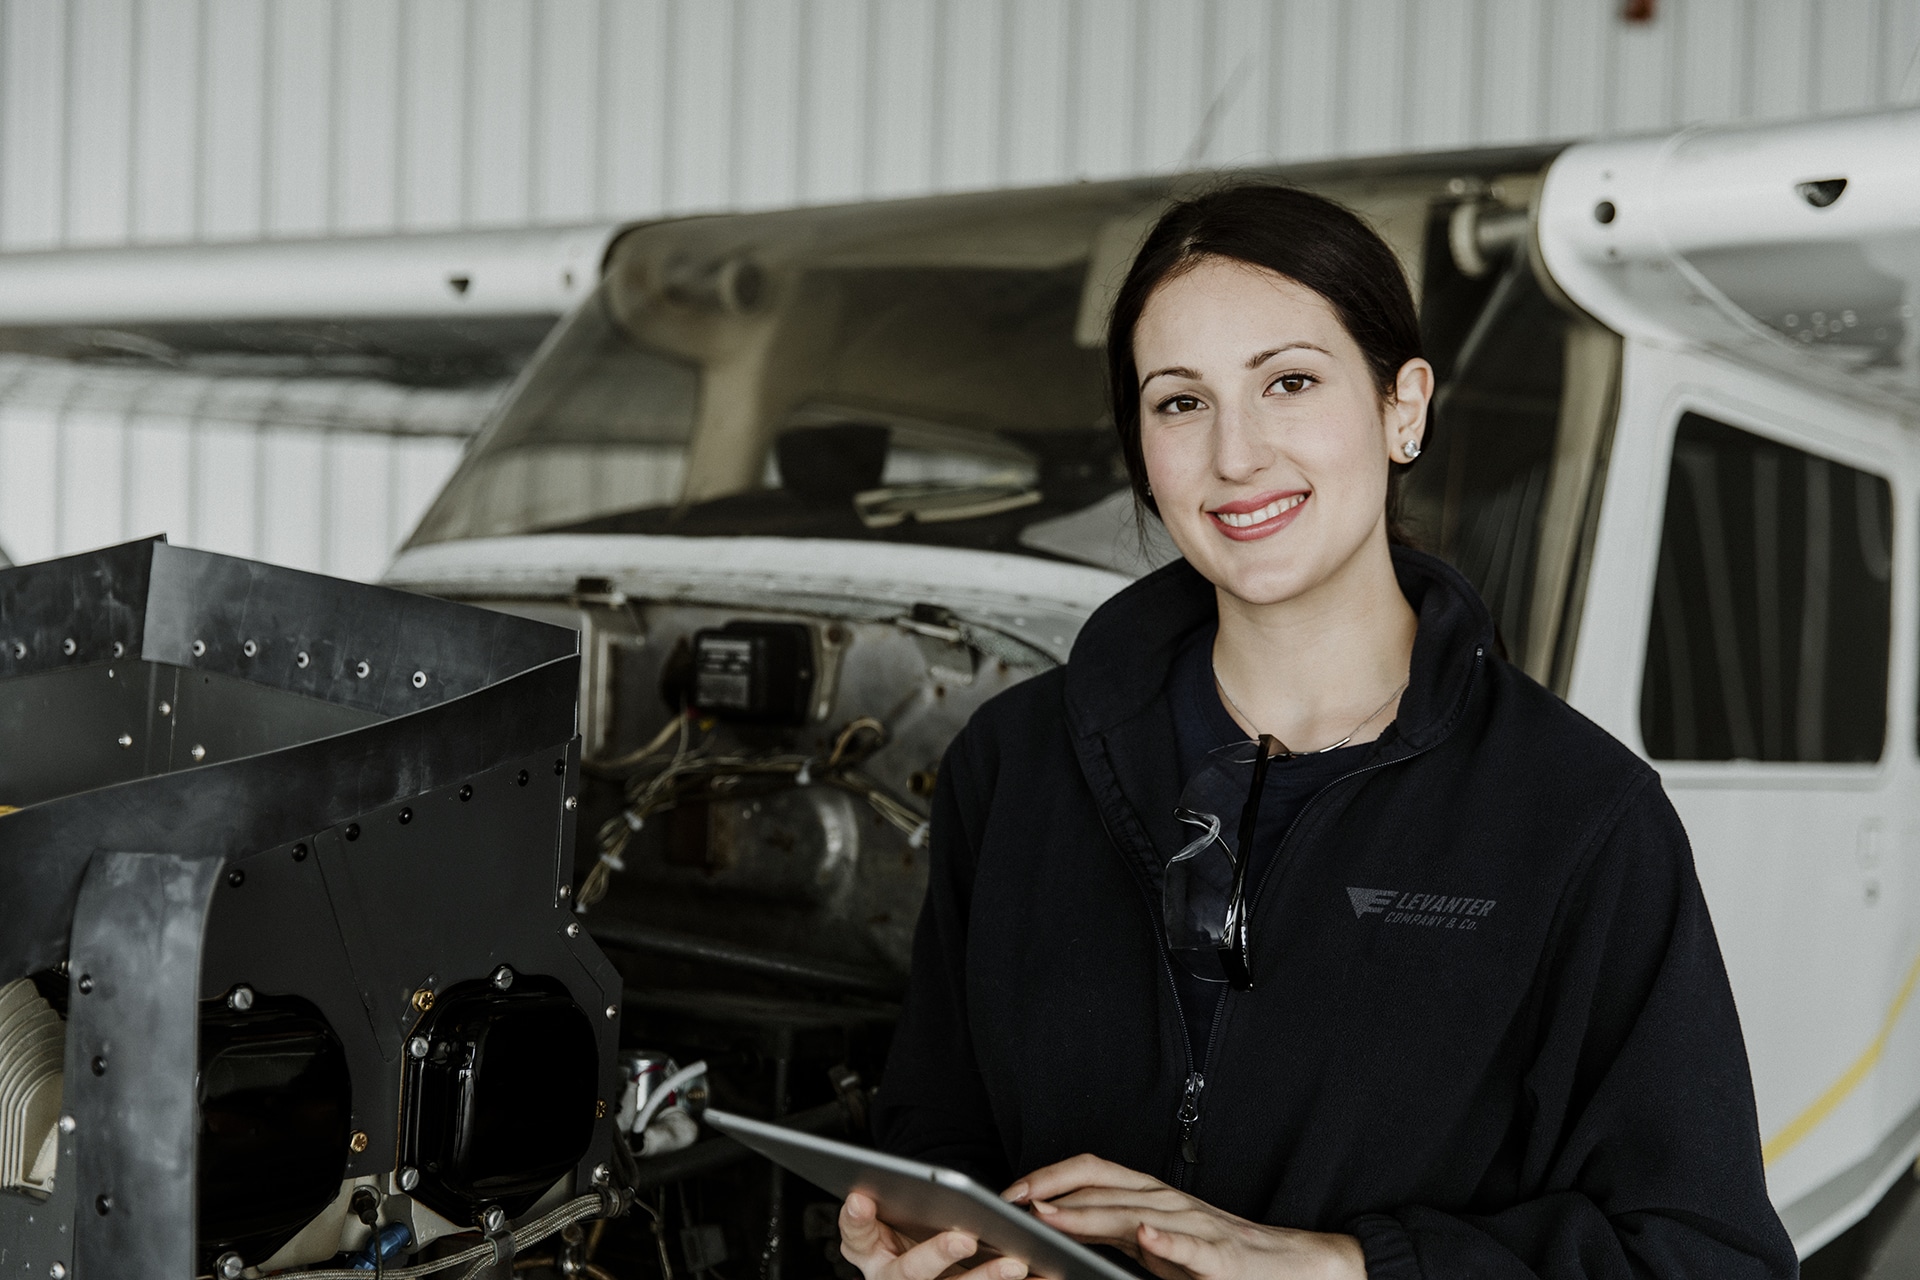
[(859, 1224)]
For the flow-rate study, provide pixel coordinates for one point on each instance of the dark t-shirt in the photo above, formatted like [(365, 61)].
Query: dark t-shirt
[(1201, 724)]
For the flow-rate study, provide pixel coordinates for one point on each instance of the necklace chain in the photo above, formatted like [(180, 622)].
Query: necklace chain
[(1285, 750)]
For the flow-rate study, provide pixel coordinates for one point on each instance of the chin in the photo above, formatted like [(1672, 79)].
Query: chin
[(1273, 582)]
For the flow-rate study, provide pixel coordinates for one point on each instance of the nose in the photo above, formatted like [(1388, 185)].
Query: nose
[(1240, 449)]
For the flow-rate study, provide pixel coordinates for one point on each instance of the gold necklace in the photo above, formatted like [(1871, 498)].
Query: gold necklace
[(1285, 750)]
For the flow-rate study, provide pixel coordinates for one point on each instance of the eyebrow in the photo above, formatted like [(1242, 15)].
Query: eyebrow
[(1254, 362)]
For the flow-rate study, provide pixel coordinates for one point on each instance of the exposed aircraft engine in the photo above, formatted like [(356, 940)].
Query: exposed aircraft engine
[(289, 972)]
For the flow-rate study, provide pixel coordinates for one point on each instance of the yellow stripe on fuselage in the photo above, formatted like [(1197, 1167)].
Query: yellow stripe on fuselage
[(1823, 1106)]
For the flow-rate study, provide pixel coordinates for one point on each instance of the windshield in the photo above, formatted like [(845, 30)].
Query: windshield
[(931, 371)]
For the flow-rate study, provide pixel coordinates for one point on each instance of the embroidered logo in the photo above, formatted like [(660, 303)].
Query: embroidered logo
[(1427, 910)]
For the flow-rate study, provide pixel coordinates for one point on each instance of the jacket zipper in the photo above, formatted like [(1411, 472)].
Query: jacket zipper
[(1191, 1098)]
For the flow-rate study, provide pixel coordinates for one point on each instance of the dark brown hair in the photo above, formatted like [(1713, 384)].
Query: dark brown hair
[(1307, 238)]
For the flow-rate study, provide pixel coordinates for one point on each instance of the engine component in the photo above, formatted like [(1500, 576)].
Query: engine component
[(504, 1100), (274, 828), (755, 672), (32, 1046)]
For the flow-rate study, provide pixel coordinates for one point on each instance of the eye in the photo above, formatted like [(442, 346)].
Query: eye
[(1292, 384), (1181, 403)]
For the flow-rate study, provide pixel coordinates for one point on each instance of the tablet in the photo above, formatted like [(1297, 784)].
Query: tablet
[(922, 1199)]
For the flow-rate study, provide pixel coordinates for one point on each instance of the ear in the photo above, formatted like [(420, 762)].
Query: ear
[(1405, 420)]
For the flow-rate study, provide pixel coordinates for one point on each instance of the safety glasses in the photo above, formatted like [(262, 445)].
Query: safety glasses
[(1204, 903)]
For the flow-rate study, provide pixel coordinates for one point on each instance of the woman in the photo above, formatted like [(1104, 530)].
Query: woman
[(1460, 1012)]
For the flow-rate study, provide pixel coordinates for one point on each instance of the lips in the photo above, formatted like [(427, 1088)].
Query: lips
[(1260, 517)]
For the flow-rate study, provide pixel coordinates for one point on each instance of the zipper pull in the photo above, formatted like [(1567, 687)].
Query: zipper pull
[(1189, 1116)]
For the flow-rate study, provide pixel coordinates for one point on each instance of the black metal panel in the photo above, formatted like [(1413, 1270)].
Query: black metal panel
[(73, 729), (228, 717), (96, 601), (131, 1059), (415, 651)]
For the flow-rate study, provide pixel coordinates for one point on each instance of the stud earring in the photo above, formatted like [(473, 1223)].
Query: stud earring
[(1412, 449)]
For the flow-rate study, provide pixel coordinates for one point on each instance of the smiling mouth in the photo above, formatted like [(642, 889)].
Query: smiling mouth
[(1248, 519)]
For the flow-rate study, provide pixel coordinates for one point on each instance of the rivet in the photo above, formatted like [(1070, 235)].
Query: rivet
[(240, 999), (300, 853), (522, 779), (199, 648), (358, 1142), (236, 878), (361, 669), (198, 753), (573, 928), (69, 648), (301, 659), (559, 768), (466, 792), (1604, 212), (125, 739), (103, 1205), (406, 816), (58, 1271), (353, 831), (19, 649), (503, 977), (419, 679), (566, 891), (249, 648), (572, 803), (417, 1048), (423, 999), (68, 1124), (166, 708), (613, 1011), (99, 1066), (85, 984), (119, 650), (409, 1178)]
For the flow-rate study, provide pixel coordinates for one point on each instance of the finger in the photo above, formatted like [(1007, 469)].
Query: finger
[(860, 1230), (1118, 1224), (1163, 1199), (998, 1269), (928, 1259), (1071, 1175)]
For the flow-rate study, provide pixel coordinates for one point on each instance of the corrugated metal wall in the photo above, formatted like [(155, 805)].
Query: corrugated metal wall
[(158, 121)]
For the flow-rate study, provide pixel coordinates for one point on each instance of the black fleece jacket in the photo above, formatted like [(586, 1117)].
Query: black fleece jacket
[(1490, 1032)]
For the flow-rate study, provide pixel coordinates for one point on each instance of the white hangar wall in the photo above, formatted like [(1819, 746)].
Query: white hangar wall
[(136, 122)]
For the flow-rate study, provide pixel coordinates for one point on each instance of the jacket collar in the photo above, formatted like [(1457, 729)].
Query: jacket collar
[(1122, 725)]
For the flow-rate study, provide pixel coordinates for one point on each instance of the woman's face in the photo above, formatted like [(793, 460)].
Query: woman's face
[(1266, 438)]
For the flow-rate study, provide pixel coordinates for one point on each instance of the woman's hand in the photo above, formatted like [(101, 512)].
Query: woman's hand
[(882, 1253), (1174, 1235)]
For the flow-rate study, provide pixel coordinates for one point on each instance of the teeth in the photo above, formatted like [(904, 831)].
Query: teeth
[(1250, 518)]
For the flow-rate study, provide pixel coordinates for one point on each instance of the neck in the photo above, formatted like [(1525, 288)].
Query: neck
[(1308, 669)]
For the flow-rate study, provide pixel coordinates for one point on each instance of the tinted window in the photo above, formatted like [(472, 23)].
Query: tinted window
[(1771, 605)]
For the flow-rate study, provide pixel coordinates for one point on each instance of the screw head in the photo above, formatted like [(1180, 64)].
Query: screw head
[(521, 778), (1604, 212), (409, 1178), (125, 740), (602, 1175), (85, 984), (417, 1048), (572, 803), (300, 852), (236, 878), (358, 1142), (406, 816), (503, 977), (466, 792), (361, 669), (166, 708), (58, 1271), (99, 1065), (573, 928), (559, 768), (199, 648), (423, 999), (301, 659), (250, 648), (230, 1265), (494, 1218), (68, 1124), (352, 832), (19, 649), (198, 753), (566, 891), (69, 648), (103, 1204), (240, 999), (419, 679), (613, 1011)]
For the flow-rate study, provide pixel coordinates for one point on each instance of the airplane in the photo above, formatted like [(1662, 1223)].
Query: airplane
[(813, 484)]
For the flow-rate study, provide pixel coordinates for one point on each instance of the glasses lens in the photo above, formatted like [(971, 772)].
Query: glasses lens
[(1199, 880)]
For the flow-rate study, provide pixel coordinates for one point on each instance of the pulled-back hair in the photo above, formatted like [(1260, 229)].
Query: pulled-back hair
[(1310, 240)]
